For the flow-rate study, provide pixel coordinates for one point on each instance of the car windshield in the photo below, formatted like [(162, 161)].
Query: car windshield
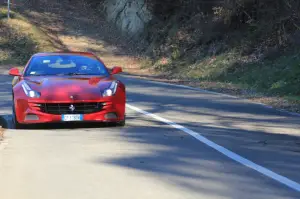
[(65, 65)]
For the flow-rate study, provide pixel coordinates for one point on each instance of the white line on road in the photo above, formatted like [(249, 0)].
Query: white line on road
[(292, 184)]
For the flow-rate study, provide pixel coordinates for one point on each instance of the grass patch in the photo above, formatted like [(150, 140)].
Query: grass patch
[(19, 39), (279, 77), (230, 71)]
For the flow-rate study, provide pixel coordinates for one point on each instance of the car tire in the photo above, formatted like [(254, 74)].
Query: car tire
[(121, 123), (116, 124), (16, 124)]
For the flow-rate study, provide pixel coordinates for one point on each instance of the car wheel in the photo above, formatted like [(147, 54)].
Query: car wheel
[(121, 123), (16, 124), (115, 124)]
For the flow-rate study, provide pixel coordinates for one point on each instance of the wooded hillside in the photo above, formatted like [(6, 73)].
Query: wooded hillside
[(233, 46)]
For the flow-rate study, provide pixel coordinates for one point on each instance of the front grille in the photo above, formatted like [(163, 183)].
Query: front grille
[(71, 108)]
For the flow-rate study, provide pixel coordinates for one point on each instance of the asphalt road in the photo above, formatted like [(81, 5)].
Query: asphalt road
[(156, 156)]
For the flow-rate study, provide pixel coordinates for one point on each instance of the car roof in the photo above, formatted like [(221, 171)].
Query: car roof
[(90, 54)]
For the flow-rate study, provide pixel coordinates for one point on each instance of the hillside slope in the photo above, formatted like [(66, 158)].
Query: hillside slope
[(43, 26), (244, 47), (210, 45), (19, 39)]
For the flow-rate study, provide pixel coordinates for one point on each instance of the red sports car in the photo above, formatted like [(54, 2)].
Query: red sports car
[(67, 87)]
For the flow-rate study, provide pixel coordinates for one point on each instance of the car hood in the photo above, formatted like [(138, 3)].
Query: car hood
[(62, 88)]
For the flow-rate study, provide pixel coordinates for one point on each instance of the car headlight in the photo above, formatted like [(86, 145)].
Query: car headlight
[(111, 90), (29, 92)]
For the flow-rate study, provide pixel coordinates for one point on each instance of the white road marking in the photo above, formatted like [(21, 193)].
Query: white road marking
[(279, 178)]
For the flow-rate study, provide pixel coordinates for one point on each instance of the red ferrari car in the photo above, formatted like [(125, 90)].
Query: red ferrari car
[(67, 87)]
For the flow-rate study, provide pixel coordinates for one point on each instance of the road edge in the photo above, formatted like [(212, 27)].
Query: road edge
[(157, 81)]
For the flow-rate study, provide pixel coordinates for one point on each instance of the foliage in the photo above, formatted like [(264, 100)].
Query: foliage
[(247, 42), (253, 43)]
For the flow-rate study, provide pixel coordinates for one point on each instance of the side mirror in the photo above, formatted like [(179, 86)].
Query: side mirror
[(14, 72), (116, 70)]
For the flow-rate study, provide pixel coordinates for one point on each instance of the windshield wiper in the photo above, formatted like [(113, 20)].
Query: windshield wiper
[(37, 75), (70, 74)]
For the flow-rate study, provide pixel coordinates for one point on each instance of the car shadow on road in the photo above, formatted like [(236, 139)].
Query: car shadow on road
[(5, 121), (66, 126)]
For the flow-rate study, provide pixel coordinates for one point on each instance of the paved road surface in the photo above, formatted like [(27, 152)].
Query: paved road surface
[(151, 159)]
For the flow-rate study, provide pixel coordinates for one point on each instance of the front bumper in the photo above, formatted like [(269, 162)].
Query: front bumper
[(27, 112)]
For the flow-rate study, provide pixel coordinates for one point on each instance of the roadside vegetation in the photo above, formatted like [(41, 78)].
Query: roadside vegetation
[(247, 48), (244, 47), (19, 39)]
